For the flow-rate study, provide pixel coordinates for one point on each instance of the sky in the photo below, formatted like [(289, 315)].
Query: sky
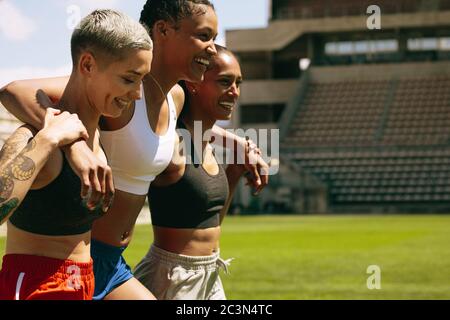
[(35, 34)]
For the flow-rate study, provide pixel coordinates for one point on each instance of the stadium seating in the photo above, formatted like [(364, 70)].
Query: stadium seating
[(375, 141)]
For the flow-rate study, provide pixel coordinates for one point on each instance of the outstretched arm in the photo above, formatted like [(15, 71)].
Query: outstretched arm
[(28, 100), (24, 154), (247, 153)]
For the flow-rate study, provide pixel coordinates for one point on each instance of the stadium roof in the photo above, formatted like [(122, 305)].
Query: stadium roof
[(281, 33)]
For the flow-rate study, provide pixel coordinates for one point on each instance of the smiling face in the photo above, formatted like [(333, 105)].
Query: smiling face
[(113, 87), (217, 95), (191, 45)]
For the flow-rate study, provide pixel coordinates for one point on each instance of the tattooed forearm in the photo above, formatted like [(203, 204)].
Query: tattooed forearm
[(6, 188), (14, 144), (8, 207), (30, 146), (21, 168), (17, 164)]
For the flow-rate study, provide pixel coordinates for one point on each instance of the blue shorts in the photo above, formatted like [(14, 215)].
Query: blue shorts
[(110, 268)]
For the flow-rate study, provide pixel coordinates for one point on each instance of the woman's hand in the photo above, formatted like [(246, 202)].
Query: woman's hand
[(62, 128)]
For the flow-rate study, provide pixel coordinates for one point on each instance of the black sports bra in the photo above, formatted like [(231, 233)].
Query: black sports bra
[(195, 201), (56, 209)]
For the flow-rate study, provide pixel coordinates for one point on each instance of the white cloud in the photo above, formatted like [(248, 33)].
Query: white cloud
[(77, 9), (14, 25), (10, 74)]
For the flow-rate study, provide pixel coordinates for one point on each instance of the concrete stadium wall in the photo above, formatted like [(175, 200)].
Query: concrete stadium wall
[(267, 91), (281, 33), (379, 71)]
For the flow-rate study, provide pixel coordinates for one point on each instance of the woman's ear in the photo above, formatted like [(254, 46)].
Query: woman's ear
[(161, 28), (87, 64), (191, 88)]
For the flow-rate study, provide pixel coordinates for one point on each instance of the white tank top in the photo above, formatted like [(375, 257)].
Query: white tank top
[(135, 153)]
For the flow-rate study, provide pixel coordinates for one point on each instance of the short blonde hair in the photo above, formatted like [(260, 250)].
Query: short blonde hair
[(110, 32)]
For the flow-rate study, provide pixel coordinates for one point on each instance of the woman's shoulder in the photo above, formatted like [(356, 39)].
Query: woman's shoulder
[(177, 94)]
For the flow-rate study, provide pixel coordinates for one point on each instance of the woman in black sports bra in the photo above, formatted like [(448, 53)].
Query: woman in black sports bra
[(49, 227), (189, 200)]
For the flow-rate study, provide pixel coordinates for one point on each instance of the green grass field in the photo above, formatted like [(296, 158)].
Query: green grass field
[(326, 257)]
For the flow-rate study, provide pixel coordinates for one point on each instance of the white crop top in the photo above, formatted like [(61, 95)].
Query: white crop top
[(135, 153)]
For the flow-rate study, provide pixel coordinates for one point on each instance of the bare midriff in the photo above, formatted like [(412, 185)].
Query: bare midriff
[(74, 247), (190, 242), (116, 226)]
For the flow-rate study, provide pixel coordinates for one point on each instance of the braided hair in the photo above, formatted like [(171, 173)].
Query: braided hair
[(170, 10)]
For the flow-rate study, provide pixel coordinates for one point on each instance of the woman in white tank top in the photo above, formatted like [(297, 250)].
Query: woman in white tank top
[(145, 136), (183, 262)]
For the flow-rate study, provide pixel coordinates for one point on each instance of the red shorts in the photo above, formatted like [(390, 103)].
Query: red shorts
[(29, 277)]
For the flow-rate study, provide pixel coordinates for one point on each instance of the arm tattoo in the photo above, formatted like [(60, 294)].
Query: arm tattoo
[(20, 167), (6, 188), (6, 208), (11, 146)]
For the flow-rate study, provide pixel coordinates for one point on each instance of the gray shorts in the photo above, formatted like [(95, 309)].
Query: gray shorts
[(171, 276)]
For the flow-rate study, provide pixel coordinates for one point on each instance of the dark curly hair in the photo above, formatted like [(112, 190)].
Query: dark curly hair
[(170, 10)]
